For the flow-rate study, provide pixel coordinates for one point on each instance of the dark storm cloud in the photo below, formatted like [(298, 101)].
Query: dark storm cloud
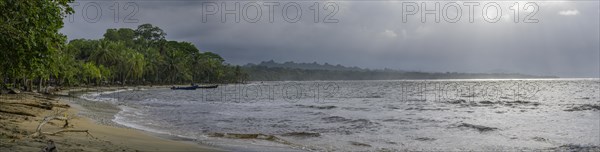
[(371, 34)]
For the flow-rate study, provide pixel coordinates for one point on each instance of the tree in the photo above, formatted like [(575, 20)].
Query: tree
[(30, 37), (155, 62), (65, 66), (106, 53), (124, 35), (135, 62), (91, 73), (149, 33), (82, 49)]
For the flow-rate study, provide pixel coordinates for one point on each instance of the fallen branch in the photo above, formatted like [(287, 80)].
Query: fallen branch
[(69, 130), (62, 105), (41, 105), (17, 113), (54, 116), (38, 130), (44, 97), (47, 104)]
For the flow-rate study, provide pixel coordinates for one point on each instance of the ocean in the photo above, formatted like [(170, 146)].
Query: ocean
[(370, 115)]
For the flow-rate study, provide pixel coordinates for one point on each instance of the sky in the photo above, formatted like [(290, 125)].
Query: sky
[(558, 38)]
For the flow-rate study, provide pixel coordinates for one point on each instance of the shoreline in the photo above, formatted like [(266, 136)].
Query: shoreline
[(76, 93), (16, 129), (88, 97)]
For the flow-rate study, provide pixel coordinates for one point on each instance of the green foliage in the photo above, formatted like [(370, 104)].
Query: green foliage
[(142, 56), (147, 33), (33, 51), (127, 56), (30, 36), (91, 72), (124, 35)]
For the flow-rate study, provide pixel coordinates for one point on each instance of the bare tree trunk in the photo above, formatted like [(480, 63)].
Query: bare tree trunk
[(24, 84), (123, 80), (40, 84)]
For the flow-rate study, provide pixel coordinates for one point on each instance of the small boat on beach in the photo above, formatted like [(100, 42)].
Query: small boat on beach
[(194, 87), (208, 86), (184, 88)]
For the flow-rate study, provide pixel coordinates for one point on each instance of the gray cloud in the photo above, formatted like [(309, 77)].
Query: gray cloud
[(371, 34)]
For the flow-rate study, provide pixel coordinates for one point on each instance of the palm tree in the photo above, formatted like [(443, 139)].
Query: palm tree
[(105, 53)]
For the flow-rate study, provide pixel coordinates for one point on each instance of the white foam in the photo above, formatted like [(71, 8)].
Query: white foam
[(95, 96), (128, 112)]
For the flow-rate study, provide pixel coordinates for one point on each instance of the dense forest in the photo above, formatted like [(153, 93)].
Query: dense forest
[(306, 66), (273, 71), (35, 54), (127, 56), (143, 56)]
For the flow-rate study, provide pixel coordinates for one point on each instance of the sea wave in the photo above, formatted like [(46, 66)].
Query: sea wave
[(127, 115), (97, 96), (124, 118)]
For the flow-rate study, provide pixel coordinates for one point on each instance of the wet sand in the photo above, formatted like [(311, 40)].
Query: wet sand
[(21, 114)]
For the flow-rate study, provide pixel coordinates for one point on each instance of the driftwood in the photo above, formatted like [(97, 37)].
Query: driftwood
[(44, 97), (56, 116), (62, 105), (17, 113), (51, 147), (38, 130), (41, 105), (69, 130), (14, 91)]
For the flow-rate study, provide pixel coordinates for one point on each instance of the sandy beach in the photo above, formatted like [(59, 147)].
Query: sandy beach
[(20, 115)]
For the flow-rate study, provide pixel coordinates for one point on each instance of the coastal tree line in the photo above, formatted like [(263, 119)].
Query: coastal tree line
[(143, 56), (273, 71), (35, 55)]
